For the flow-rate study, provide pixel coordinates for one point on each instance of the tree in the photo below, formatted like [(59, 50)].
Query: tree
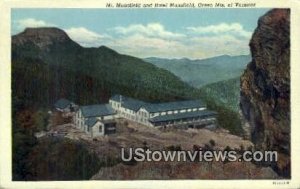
[(22, 143), (41, 120), (212, 143)]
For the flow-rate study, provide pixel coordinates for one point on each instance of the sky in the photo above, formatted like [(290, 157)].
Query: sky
[(166, 33)]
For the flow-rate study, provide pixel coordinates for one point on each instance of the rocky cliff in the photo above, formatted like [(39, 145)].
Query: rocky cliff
[(265, 87), (41, 37)]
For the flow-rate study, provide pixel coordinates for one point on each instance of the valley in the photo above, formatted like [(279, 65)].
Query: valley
[(201, 72)]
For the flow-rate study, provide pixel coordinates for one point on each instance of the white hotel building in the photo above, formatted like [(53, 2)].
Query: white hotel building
[(188, 113)]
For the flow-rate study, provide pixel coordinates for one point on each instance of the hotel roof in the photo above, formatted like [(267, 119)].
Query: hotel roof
[(179, 116), (91, 121), (135, 105), (128, 102), (168, 106), (62, 103), (97, 110)]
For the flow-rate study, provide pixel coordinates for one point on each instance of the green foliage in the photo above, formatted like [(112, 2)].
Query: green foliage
[(226, 117), (49, 158), (41, 118), (212, 142), (61, 159), (227, 148), (89, 81), (23, 141), (226, 93), (173, 148)]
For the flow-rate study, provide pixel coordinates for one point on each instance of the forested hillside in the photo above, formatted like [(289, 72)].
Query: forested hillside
[(226, 93), (48, 68)]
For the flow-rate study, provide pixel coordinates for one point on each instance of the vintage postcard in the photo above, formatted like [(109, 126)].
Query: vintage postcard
[(135, 94)]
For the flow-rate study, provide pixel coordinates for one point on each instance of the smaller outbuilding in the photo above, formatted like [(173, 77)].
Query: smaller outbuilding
[(96, 120), (64, 105)]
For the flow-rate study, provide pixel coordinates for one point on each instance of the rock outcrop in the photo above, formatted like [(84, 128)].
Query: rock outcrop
[(41, 37), (265, 87)]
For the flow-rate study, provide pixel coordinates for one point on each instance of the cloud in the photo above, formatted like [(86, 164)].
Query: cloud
[(153, 39), (223, 28), (86, 37), (200, 42), (191, 46), (31, 22), (219, 45), (150, 30), (144, 46)]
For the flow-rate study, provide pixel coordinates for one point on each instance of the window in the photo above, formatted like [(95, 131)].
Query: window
[(100, 128)]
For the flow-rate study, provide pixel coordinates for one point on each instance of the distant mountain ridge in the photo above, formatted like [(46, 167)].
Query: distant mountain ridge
[(201, 72)]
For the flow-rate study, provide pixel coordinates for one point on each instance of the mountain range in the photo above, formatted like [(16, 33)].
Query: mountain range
[(201, 72)]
